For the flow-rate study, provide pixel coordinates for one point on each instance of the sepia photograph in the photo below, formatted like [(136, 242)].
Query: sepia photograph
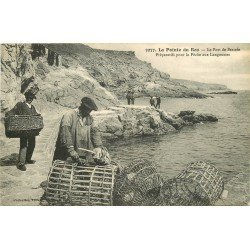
[(125, 124)]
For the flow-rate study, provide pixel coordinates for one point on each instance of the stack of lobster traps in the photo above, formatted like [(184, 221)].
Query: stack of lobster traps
[(138, 184)]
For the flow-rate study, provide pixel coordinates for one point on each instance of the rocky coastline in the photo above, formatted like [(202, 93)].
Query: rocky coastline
[(229, 92), (121, 122), (124, 121), (66, 72)]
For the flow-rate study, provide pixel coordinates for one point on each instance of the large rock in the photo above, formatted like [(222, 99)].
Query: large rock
[(190, 117), (67, 86), (16, 65), (186, 112), (108, 124), (131, 121), (206, 118), (172, 119)]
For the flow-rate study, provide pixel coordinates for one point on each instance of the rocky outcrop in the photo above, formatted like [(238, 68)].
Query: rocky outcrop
[(191, 117), (119, 71), (200, 86), (132, 121), (64, 85), (67, 72), (229, 92), (16, 66)]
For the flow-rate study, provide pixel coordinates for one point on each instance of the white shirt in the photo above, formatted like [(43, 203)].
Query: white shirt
[(29, 105)]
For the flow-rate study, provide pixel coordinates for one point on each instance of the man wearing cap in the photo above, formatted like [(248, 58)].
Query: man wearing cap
[(77, 131), (27, 144)]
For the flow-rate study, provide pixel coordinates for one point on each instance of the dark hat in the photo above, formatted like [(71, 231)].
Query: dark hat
[(30, 94), (89, 103)]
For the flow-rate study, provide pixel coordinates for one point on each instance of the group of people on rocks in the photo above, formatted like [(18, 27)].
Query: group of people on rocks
[(39, 50), (155, 101), (130, 97)]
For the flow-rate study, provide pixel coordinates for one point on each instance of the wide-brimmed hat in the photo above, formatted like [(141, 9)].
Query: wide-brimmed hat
[(89, 103)]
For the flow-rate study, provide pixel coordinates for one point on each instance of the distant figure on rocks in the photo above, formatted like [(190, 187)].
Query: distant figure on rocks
[(27, 144), (158, 102), (77, 132), (57, 59), (130, 97), (152, 101)]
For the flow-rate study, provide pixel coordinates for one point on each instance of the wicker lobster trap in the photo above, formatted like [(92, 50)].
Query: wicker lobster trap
[(71, 184), (198, 184), (138, 184), (23, 125)]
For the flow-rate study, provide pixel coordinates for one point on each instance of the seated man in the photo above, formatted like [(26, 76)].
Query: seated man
[(77, 132)]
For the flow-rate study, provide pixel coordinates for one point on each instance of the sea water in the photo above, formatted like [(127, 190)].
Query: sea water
[(225, 144)]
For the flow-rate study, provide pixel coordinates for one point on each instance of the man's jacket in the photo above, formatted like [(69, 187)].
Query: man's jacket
[(76, 132), (21, 108)]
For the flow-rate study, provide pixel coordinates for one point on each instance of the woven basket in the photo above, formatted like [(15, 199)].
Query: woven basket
[(70, 184), (23, 125), (138, 184), (199, 184)]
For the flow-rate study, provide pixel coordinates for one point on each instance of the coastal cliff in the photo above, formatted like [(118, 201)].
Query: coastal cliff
[(67, 72), (16, 66), (119, 71), (58, 84), (200, 86)]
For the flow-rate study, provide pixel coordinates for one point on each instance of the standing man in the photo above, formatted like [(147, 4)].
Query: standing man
[(152, 101), (158, 102), (77, 131), (128, 96), (132, 97), (27, 143)]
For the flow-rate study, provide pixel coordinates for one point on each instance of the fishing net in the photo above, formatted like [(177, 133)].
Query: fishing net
[(71, 184), (198, 184), (137, 184)]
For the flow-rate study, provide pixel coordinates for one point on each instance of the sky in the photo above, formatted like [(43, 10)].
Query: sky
[(232, 71)]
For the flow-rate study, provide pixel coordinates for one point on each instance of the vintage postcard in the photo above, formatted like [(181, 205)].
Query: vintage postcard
[(125, 124)]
